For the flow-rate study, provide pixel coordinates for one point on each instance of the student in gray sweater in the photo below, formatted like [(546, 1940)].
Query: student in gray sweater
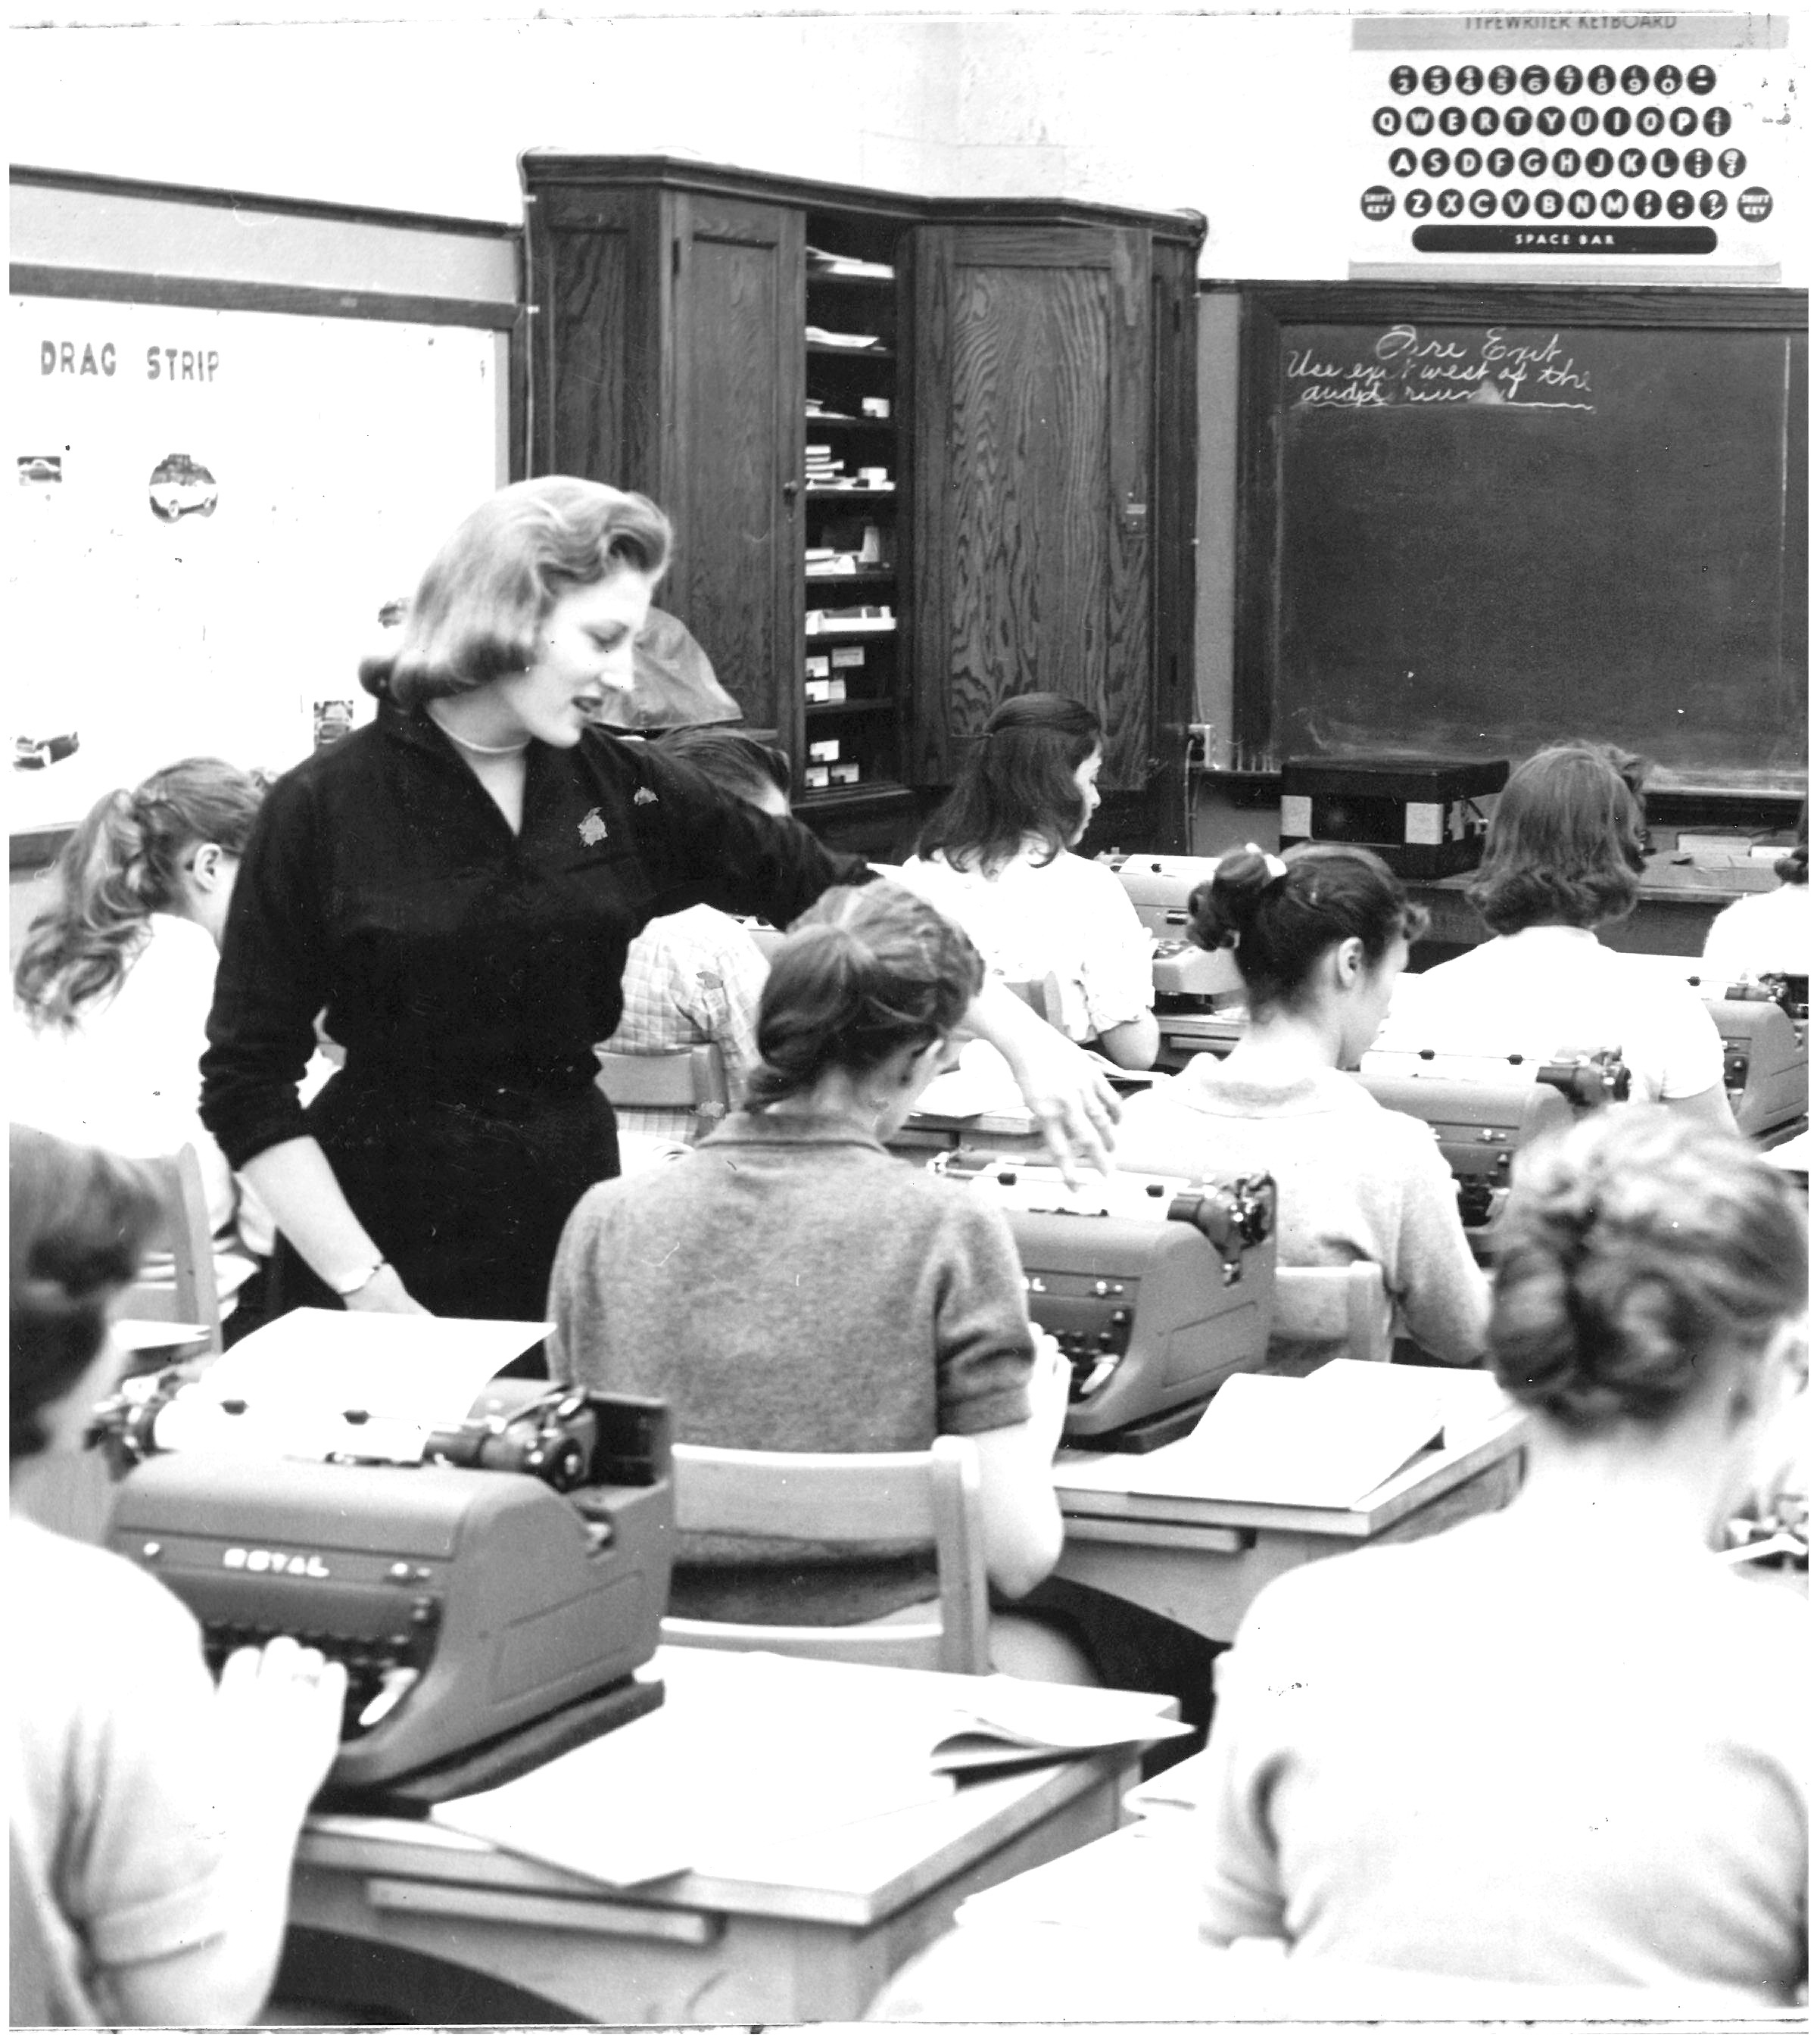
[(1320, 938), (789, 1285)]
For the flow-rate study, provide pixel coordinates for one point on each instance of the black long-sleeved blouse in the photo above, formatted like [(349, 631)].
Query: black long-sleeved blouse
[(382, 884)]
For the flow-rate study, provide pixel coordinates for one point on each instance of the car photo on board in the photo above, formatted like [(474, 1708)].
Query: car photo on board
[(181, 488)]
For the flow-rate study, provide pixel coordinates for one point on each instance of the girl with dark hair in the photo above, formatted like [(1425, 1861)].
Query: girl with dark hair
[(1577, 1678), (1764, 935), (789, 1285), (112, 988), (1320, 938), (151, 1818), (1563, 856), (455, 885), (997, 857)]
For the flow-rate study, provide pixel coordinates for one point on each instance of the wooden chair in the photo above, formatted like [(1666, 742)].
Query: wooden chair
[(1344, 1302), (187, 1238), (693, 1079), (933, 1495), (1043, 995)]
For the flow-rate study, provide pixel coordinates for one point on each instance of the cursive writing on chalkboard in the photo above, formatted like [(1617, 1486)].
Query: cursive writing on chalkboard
[(1457, 366)]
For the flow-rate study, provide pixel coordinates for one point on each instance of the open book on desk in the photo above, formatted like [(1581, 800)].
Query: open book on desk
[(751, 1747), (1325, 1440)]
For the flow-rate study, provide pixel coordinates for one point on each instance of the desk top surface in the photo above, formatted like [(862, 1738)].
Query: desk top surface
[(853, 1873), (1467, 1450)]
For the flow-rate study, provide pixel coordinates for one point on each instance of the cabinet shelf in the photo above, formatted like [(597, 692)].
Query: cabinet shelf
[(821, 495), (861, 706), (865, 579), (824, 350)]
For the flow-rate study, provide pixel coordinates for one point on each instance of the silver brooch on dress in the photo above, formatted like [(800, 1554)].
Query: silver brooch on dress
[(644, 795), (592, 828)]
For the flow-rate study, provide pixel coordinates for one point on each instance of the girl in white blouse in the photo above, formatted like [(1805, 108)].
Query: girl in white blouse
[(112, 986), (996, 857)]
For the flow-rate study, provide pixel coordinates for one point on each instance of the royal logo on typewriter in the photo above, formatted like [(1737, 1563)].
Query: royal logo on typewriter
[(273, 1562)]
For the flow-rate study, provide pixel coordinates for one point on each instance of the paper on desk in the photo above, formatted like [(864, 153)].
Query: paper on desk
[(402, 1369), (751, 1749), (695, 1784), (1285, 1440)]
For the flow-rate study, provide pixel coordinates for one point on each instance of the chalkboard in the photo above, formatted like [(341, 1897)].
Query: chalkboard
[(1480, 522)]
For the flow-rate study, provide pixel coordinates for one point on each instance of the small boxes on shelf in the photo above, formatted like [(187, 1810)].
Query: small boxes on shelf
[(831, 690), (852, 617), (824, 749), (847, 657)]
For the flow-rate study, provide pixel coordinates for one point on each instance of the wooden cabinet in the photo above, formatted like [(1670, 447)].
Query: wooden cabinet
[(975, 418)]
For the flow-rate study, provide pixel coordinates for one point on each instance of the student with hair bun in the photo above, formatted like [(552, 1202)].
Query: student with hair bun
[(151, 1815), (1563, 1744), (1319, 937), (997, 857), (1563, 858), (1763, 935), (113, 987), (789, 1285)]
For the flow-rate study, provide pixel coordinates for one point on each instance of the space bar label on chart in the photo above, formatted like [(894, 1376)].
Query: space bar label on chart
[(1550, 241)]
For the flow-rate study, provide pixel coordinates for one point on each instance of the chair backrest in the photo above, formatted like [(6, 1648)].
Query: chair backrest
[(186, 1237), (929, 1496), (1043, 995), (694, 1078), (1346, 1302)]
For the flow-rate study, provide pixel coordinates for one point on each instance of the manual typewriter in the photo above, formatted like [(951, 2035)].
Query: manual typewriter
[(1763, 1024), (1483, 1111), (490, 1602), (1155, 1289), (1199, 999)]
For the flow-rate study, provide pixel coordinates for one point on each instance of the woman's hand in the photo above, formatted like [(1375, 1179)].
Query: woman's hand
[(1050, 1387), (382, 1292), (278, 1727), (1063, 1089)]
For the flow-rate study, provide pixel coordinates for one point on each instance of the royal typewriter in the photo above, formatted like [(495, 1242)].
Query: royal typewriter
[(489, 1600), (1155, 1289)]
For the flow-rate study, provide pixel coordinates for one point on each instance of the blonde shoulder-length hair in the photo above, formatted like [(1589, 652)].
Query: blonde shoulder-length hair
[(476, 611)]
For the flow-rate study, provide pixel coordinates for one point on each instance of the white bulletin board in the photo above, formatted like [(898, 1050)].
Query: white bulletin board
[(212, 507)]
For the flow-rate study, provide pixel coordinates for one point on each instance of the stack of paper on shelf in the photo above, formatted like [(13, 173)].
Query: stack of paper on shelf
[(823, 263)]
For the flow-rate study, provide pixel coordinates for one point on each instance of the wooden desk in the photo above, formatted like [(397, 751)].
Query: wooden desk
[(1200, 1562), (397, 1921)]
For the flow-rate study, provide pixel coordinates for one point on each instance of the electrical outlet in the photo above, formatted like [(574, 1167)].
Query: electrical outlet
[(1198, 745)]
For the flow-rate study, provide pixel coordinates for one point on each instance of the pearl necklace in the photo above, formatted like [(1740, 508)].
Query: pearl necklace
[(486, 751)]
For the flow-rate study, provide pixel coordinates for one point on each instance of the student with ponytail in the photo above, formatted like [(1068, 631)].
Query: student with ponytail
[(789, 1285), (113, 987), (1320, 937)]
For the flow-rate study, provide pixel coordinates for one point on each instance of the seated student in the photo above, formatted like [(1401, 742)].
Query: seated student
[(996, 857), (789, 1285), (1562, 1744), (1320, 937), (695, 977), (113, 987), (1563, 856), (1763, 934), (152, 1817)]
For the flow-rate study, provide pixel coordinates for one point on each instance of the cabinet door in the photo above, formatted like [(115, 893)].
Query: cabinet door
[(1033, 428), (732, 396), (594, 335)]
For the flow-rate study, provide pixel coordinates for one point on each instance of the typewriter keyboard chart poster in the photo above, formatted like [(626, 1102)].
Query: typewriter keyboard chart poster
[(211, 509), (1591, 147)]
